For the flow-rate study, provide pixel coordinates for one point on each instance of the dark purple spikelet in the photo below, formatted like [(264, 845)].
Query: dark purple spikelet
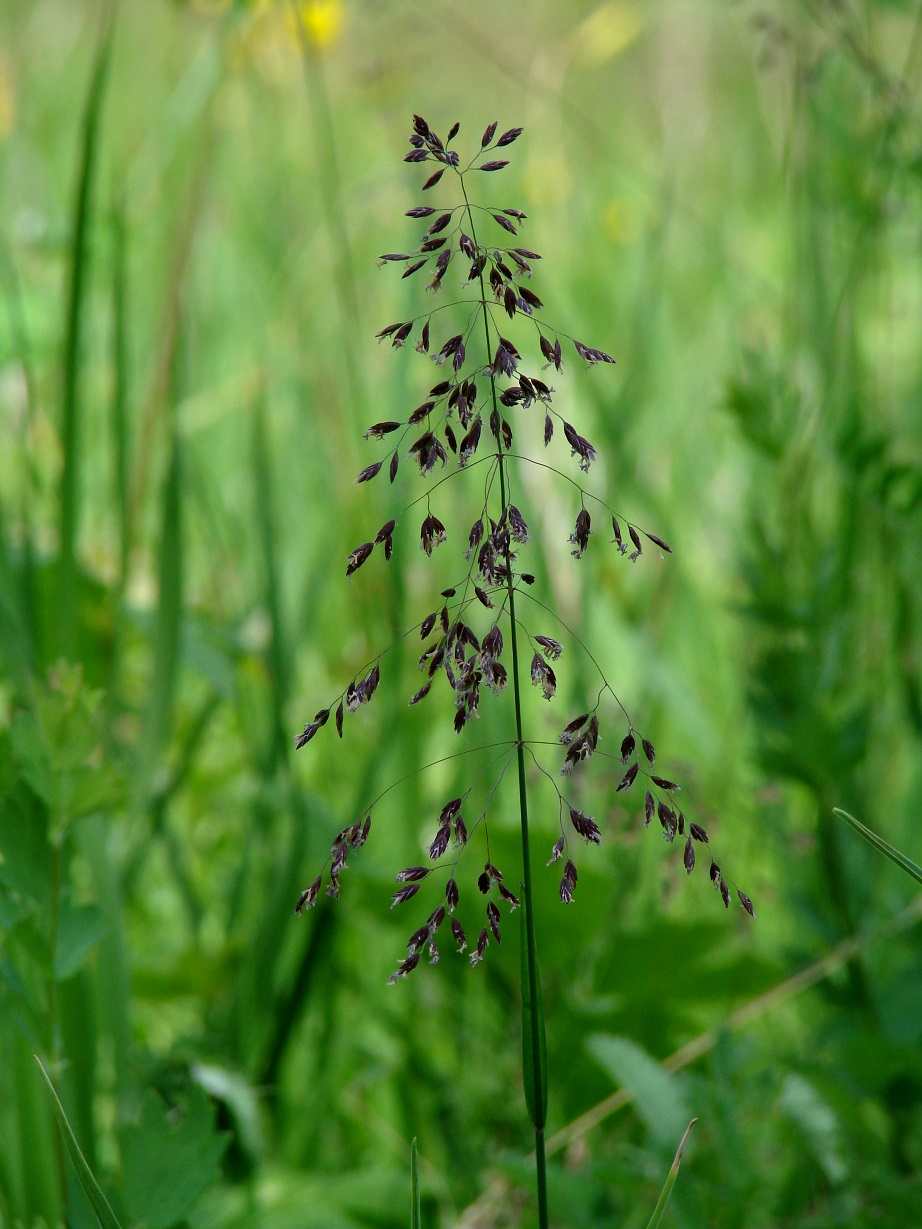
[(358, 557), (552, 648), (586, 826), (308, 897), (580, 535), (629, 777)]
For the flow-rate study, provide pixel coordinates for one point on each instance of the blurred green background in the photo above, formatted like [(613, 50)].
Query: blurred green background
[(728, 197)]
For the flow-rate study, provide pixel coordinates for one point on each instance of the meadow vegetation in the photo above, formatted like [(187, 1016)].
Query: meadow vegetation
[(194, 198)]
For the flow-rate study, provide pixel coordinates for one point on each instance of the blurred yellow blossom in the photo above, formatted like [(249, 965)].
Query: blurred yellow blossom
[(604, 34), (322, 21)]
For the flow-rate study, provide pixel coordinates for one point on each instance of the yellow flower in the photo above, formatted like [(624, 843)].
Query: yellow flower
[(322, 21)]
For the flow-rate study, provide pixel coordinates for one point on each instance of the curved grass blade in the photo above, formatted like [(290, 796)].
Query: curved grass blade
[(98, 1201), (415, 1205), (881, 845), (670, 1179)]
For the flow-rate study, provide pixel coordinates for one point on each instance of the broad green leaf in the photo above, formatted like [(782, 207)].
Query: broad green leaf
[(657, 1095), (100, 1204), (167, 1166)]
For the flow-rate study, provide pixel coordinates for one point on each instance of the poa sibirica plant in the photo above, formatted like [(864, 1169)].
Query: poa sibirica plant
[(491, 411)]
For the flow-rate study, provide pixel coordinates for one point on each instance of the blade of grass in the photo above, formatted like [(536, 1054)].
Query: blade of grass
[(120, 387), (265, 525), (415, 1205), (80, 256), (77, 1025), (161, 394), (169, 610), (881, 845), (22, 348), (35, 1150), (15, 644), (102, 848), (100, 1204), (670, 1179)]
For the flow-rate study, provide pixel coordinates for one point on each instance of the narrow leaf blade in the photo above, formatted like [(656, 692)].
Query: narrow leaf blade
[(98, 1201), (881, 845), (670, 1179)]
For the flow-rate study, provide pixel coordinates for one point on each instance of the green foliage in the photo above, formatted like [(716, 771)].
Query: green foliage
[(187, 304)]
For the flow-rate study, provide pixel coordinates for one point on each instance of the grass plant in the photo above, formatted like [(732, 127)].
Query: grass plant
[(728, 199), (456, 422)]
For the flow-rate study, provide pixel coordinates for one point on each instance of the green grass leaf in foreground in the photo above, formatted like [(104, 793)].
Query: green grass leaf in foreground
[(670, 1179), (881, 845), (100, 1204)]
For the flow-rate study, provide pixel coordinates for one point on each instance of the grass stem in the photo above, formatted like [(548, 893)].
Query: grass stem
[(536, 1096)]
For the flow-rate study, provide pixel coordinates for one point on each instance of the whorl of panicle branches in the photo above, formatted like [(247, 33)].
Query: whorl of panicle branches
[(463, 423)]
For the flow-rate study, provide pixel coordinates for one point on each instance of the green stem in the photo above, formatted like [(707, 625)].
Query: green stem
[(538, 1099)]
